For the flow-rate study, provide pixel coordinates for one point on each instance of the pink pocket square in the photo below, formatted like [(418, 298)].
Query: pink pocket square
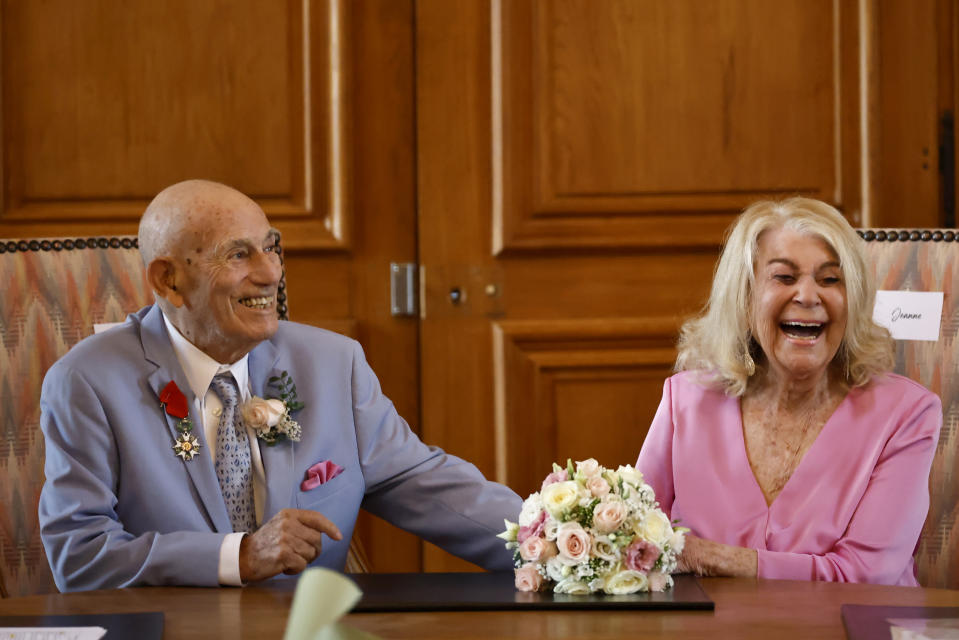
[(320, 473)]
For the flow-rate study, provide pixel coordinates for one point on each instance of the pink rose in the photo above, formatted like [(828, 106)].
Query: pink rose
[(260, 414), (536, 549), (658, 581), (609, 515), (641, 555), (534, 529), (598, 486), (573, 542), (556, 476), (528, 578)]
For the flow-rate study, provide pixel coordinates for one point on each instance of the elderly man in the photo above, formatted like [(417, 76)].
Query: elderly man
[(164, 464)]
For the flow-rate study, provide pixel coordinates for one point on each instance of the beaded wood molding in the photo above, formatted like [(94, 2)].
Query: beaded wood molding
[(117, 242)]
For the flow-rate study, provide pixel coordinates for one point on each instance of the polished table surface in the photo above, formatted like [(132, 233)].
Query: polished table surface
[(745, 608)]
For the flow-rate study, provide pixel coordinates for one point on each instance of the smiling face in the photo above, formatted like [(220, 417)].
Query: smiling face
[(226, 271), (798, 313)]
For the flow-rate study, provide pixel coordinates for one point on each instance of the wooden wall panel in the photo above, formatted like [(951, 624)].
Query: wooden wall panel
[(106, 103), (575, 389), (651, 123)]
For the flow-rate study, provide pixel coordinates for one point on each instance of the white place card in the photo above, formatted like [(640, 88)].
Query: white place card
[(100, 327), (909, 315)]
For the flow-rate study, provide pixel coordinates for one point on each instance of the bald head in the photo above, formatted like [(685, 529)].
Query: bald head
[(179, 215)]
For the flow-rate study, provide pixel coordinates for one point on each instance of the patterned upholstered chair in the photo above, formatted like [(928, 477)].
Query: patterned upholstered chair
[(928, 260), (54, 291)]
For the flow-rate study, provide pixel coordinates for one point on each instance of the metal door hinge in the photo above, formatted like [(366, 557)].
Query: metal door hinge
[(404, 289)]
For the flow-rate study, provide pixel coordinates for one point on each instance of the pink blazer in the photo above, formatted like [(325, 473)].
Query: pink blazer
[(851, 512)]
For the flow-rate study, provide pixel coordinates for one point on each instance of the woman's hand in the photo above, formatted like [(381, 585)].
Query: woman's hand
[(707, 558)]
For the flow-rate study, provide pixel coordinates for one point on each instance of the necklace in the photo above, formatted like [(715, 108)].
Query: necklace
[(773, 454)]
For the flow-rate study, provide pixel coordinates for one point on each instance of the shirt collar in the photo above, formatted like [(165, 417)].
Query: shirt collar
[(201, 368)]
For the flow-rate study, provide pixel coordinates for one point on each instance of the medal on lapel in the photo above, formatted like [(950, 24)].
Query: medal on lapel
[(172, 400)]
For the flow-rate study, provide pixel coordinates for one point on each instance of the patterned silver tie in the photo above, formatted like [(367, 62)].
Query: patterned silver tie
[(233, 468)]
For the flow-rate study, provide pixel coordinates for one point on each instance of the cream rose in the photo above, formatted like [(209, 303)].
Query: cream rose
[(260, 414), (571, 586), (605, 549), (654, 527), (625, 582), (608, 515), (598, 486), (572, 542), (630, 475), (528, 578), (560, 497), (536, 549)]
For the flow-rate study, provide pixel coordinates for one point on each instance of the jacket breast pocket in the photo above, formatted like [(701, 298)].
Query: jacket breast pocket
[(342, 492)]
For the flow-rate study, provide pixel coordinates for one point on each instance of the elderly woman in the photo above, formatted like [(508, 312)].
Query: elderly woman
[(785, 445)]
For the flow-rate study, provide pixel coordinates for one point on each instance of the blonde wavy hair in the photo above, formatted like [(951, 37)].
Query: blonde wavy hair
[(718, 341)]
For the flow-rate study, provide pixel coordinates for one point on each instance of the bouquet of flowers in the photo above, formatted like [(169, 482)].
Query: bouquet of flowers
[(591, 529)]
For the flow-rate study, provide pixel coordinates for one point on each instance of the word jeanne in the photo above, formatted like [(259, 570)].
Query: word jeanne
[(899, 314)]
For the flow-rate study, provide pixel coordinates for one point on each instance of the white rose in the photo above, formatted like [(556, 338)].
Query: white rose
[(630, 475), (532, 507), (626, 581), (655, 528), (572, 586), (260, 414), (588, 468), (559, 497)]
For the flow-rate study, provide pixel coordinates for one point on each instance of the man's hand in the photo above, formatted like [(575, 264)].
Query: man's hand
[(289, 542)]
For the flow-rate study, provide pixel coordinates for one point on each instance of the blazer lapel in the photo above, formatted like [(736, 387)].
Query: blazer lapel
[(278, 459), (159, 351)]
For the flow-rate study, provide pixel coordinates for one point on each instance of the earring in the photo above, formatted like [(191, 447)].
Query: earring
[(750, 364)]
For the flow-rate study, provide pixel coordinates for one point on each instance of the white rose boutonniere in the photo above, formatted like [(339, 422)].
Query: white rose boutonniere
[(270, 417)]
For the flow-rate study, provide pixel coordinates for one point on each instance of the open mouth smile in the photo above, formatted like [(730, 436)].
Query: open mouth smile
[(262, 302), (802, 330)]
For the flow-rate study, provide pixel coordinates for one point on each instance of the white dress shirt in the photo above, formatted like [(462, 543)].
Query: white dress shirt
[(200, 370)]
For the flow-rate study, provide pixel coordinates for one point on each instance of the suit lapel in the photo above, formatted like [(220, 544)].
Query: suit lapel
[(159, 351), (278, 459)]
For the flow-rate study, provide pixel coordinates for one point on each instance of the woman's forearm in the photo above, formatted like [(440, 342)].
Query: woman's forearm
[(708, 558)]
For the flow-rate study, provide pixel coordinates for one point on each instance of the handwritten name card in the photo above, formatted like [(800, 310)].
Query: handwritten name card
[(909, 315)]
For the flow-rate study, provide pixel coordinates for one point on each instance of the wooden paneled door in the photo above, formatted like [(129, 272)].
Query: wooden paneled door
[(305, 105), (577, 164)]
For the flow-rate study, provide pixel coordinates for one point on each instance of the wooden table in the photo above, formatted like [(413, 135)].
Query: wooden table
[(745, 608)]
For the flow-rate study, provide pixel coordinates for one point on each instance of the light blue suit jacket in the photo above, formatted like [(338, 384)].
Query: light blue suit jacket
[(119, 508)]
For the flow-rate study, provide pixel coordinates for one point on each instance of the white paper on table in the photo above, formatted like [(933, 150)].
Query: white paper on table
[(322, 597), (52, 633), (924, 628), (909, 315)]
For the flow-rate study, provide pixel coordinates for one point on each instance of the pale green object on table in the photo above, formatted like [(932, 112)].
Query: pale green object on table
[(322, 597)]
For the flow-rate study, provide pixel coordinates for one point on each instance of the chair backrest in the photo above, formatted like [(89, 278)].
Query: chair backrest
[(926, 260), (54, 291)]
